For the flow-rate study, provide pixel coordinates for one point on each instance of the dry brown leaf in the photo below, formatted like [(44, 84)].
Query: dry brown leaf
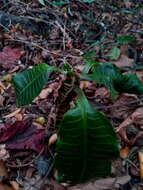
[(124, 152), (84, 84), (124, 61), (140, 156), (5, 187), (15, 185), (3, 171), (19, 117), (13, 113), (4, 155), (140, 75), (2, 87), (135, 118), (121, 109), (1, 100), (44, 93), (52, 139), (102, 184)]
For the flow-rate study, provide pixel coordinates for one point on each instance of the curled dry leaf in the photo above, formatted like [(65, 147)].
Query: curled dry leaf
[(9, 56), (1, 100), (140, 156), (53, 139), (22, 135), (124, 152), (5, 187), (3, 171), (4, 155), (15, 185), (2, 87), (124, 61), (102, 184), (120, 108), (13, 113), (137, 118)]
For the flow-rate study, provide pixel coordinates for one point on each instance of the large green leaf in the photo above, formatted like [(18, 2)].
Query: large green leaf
[(30, 82), (42, 2), (86, 145), (110, 75)]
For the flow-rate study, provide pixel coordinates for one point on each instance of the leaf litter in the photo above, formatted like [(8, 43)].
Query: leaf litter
[(71, 31)]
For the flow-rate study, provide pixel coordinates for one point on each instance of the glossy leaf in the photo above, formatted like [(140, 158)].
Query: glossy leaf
[(87, 143), (42, 2), (29, 83), (110, 75)]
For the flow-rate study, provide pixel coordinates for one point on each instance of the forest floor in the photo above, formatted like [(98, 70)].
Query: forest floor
[(58, 33)]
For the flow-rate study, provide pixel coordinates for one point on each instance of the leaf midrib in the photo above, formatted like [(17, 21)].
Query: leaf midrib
[(32, 81), (82, 105)]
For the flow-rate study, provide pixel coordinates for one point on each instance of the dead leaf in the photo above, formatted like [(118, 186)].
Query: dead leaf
[(13, 113), (135, 118), (3, 171), (1, 100), (52, 139), (124, 152), (102, 184), (5, 187), (9, 56), (124, 61), (140, 156), (44, 93), (4, 154), (120, 108), (22, 135), (15, 185)]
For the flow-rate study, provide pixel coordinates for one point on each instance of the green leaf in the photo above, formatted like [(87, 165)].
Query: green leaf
[(89, 59), (88, 1), (86, 145), (42, 2), (114, 53), (110, 75), (129, 83), (125, 39), (30, 82), (59, 3)]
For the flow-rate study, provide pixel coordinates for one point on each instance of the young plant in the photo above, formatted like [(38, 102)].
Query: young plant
[(87, 142)]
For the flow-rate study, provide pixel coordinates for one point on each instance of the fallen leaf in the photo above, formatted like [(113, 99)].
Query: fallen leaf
[(2, 87), (124, 61), (102, 184), (4, 154), (22, 135), (9, 56), (124, 152), (1, 100), (9, 131), (15, 185), (140, 156), (52, 139), (137, 118), (5, 187), (120, 108), (3, 171), (13, 113)]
